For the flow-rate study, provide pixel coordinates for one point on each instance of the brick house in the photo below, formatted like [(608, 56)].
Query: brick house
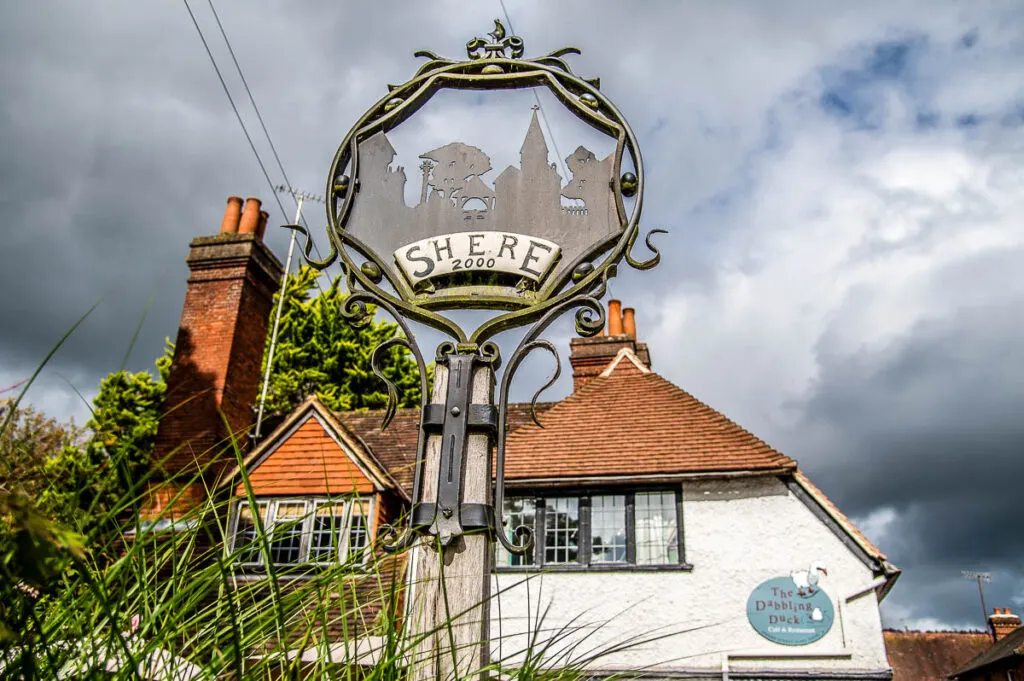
[(654, 514)]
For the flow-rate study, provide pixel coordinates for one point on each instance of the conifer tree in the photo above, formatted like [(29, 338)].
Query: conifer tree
[(319, 351)]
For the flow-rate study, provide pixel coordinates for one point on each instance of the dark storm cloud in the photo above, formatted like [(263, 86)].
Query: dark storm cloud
[(930, 427)]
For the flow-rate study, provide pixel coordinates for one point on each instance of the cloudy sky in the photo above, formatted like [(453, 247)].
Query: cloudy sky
[(843, 182)]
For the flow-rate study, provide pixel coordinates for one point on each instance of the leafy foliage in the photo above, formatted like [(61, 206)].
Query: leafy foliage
[(319, 351), (33, 548), (64, 485)]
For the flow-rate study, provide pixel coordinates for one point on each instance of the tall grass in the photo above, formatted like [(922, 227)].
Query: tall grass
[(175, 603), (140, 597)]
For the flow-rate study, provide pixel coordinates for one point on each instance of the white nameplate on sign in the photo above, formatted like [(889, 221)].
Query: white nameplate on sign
[(526, 256)]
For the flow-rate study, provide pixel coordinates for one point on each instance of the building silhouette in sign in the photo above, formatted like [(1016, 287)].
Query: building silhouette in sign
[(455, 196)]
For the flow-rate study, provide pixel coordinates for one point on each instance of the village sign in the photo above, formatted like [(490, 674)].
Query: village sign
[(511, 247)]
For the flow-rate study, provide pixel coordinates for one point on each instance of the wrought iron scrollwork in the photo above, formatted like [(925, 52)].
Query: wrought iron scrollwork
[(356, 311), (500, 46), (590, 319), (650, 262), (307, 249)]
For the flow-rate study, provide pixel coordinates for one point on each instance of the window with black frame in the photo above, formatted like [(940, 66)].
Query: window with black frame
[(614, 530), (302, 530)]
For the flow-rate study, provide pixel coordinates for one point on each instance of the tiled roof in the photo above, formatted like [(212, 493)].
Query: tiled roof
[(931, 655), (1009, 646), (314, 448), (631, 421), (309, 461), (395, 447)]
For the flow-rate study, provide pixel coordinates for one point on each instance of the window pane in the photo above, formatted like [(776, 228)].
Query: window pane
[(518, 511), (561, 519), (326, 532), (608, 528), (286, 537), (359, 531), (245, 533), (656, 531)]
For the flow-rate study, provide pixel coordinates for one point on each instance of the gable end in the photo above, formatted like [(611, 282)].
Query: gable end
[(826, 518)]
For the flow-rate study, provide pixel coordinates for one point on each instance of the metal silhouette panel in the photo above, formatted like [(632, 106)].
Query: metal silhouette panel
[(472, 227)]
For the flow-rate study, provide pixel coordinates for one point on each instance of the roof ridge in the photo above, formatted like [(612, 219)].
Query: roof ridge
[(624, 353)]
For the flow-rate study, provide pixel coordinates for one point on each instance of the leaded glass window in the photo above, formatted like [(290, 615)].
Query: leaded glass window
[(358, 534), (286, 535), (301, 530), (328, 521), (561, 522), (608, 528), (657, 541)]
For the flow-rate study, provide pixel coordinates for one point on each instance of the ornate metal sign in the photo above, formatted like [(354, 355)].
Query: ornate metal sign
[(482, 237), (791, 610)]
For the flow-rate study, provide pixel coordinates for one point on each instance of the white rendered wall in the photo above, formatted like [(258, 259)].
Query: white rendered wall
[(738, 534)]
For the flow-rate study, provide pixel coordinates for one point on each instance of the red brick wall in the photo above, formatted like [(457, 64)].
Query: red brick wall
[(215, 375)]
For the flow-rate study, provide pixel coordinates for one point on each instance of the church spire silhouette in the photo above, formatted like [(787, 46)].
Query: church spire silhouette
[(533, 156)]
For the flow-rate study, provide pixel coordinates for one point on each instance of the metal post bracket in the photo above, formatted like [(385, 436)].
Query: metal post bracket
[(455, 419)]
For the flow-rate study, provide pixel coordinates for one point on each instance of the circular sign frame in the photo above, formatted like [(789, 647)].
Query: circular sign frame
[(785, 614), (492, 65)]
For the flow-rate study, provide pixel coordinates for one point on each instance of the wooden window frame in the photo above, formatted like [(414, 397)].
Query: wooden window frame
[(584, 527), (369, 503)]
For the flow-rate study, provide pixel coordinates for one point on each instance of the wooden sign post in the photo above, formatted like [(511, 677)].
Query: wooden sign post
[(507, 245)]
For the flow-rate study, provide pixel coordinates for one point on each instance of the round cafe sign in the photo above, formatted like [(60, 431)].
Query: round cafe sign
[(788, 614)]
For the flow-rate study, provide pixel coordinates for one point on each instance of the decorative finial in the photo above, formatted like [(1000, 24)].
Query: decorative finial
[(500, 46)]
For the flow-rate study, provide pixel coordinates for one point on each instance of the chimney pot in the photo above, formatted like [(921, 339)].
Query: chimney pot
[(232, 215), (614, 318), (629, 322), (250, 216), (261, 228), (1002, 622)]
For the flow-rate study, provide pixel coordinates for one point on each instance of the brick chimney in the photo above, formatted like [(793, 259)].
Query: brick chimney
[(590, 356), (1002, 622), (215, 375)]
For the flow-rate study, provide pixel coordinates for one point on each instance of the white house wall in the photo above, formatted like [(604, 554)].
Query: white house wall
[(738, 534)]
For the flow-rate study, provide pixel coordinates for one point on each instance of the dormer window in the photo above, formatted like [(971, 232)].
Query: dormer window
[(302, 530)]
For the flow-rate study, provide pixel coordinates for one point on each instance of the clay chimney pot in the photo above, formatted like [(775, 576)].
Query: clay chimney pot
[(232, 215), (629, 322), (261, 228), (614, 318), (1002, 622), (250, 216)]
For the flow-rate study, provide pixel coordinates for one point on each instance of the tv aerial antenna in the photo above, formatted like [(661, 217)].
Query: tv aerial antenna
[(979, 577)]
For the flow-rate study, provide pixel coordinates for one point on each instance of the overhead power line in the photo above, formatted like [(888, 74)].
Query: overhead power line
[(238, 116), (256, 108), (536, 97)]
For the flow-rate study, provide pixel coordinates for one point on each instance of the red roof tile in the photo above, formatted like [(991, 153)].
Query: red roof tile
[(395, 447), (631, 421), (932, 655), (309, 462)]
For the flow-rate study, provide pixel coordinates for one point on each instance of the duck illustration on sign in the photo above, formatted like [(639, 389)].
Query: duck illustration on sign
[(806, 581)]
